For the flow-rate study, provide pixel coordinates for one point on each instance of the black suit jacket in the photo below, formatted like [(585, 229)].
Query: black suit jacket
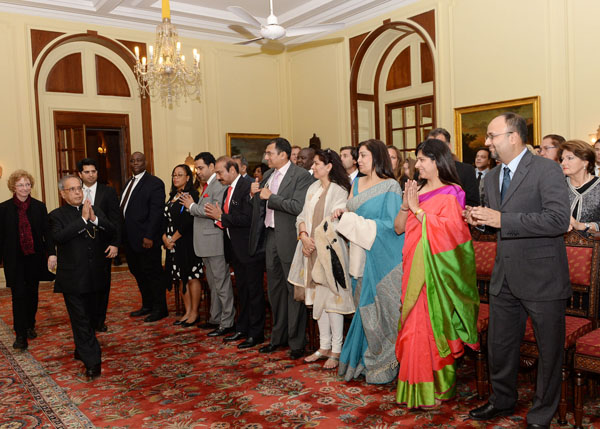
[(468, 181), (10, 247), (238, 222), (144, 214), (107, 201), (80, 250)]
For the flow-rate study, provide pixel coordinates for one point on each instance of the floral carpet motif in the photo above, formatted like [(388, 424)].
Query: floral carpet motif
[(156, 375)]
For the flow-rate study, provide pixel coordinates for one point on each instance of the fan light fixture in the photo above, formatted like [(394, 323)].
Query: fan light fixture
[(165, 73)]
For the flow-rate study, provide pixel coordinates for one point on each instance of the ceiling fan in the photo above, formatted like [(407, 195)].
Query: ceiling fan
[(274, 31)]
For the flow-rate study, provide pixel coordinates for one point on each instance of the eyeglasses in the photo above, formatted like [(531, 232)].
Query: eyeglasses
[(74, 189), (23, 185), (545, 148), (179, 175), (491, 137)]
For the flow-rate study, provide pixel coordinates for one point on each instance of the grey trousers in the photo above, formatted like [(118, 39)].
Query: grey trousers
[(289, 316), (222, 311)]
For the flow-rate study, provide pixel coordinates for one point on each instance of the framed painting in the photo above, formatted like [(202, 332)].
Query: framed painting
[(470, 124), (252, 146)]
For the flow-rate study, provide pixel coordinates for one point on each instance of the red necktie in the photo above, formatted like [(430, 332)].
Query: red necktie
[(204, 189), (225, 205)]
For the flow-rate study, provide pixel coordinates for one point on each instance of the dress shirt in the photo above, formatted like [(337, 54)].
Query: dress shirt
[(230, 196), (282, 172), (138, 177), (512, 166), (92, 192), (353, 175), (597, 170), (483, 173), (208, 182)]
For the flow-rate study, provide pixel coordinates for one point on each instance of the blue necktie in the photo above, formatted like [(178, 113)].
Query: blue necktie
[(505, 183)]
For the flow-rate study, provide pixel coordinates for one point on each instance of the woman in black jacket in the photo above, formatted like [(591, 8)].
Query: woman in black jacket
[(24, 246)]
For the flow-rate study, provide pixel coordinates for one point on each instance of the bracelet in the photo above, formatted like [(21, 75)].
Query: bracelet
[(404, 209), (300, 234), (418, 212)]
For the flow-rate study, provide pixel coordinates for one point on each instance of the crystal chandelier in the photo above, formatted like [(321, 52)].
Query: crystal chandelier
[(165, 73)]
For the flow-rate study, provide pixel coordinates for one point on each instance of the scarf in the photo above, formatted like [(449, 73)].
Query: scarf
[(25, 235)]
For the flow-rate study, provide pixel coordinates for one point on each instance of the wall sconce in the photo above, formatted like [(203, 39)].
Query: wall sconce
[(102, 149), (189, 161), (594, 136)]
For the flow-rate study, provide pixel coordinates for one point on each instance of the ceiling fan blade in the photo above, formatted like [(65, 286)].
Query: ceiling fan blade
[(247, 42), (245, 15), (300, 31)]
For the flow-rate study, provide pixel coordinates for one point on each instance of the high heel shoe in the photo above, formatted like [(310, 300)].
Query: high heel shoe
[(189, 324), (179, 322)]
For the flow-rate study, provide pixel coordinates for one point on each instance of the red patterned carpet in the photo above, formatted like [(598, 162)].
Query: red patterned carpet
[(160, 376)]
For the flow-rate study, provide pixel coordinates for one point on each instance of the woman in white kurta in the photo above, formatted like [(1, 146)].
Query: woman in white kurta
[(327, 289)]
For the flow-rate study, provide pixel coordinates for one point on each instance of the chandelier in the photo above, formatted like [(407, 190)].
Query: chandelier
[(165, 74)]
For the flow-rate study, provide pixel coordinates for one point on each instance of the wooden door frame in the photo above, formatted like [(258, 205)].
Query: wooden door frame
[(403, 103), (129, 58), (98, 120)]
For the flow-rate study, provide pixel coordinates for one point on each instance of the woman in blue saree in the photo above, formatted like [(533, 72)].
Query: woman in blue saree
[(375, 267)]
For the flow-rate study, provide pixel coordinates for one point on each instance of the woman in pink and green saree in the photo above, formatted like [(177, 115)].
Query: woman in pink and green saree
[(440, 301)]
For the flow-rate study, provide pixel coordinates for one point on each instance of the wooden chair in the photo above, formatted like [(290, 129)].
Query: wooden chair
[(484, 245), (582, 309)]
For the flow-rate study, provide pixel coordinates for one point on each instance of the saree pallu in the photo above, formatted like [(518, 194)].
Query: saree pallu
[(440, 300), (369, 346)]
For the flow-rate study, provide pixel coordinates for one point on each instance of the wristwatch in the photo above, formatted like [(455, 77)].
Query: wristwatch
[(587, 227)]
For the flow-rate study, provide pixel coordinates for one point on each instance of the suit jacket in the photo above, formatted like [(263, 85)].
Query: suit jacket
[(107, 201), (238, 222), (531, 251), (468, 181), (287, 204), (208, 237), (80, 250), (144, 214), (10, 247)]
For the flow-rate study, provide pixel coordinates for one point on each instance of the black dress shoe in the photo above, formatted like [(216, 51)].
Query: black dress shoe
[(141, 312), (269, 348), (102, 328), (221, 331), (93, 372), (20, 342), (208, 325), (31, 334), (250, 342), (296, 354), (153, 317), (488, 412), (537, 426), (235, 337)]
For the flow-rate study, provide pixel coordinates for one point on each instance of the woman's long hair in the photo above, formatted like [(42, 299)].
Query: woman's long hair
[(337, 174), (399, 166), (382, 164), (189, 185), (438, 151)]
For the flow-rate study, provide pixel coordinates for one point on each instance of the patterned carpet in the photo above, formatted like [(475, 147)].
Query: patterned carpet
[(161, 376)]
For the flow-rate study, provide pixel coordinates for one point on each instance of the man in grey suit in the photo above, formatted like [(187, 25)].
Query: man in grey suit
[(277, 200), (529, 205), (208, 244)]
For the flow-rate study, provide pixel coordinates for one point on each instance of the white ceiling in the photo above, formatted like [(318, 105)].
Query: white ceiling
[(206, 19)]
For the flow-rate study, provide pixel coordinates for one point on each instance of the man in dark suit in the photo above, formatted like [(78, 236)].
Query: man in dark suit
[(466, 172), (235, 217), (277, 200), (77, 231), (104, 198), (242, 163), (142, 205), (529, 205)]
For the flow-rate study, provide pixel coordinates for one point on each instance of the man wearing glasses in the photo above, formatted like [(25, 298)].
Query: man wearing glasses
[(529, 206), (79, 232), (550, 145)]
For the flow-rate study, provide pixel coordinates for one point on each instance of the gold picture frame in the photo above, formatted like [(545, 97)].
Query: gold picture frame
[(251, 146), (470, 123)]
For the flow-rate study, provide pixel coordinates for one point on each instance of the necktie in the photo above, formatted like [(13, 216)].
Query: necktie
[(127, 194), (505, 183), (88, 194), (204, 189), (225, 205), (274, 187), (479, 174)]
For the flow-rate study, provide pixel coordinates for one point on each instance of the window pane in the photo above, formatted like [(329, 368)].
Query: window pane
[(411, 138), (397, 138), (425, 132), (426, 113), (410, 116), (397, 118)]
